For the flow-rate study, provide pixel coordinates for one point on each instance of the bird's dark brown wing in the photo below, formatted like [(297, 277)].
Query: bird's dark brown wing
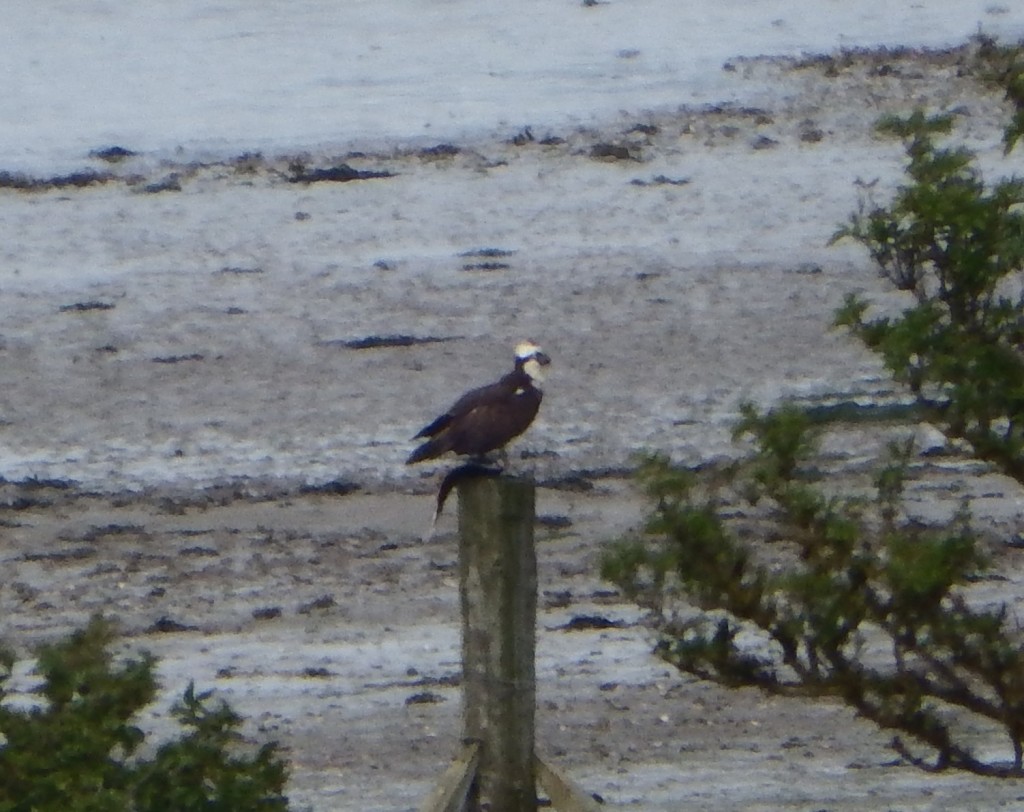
[(469, 401), (482, 425), (489, 426)]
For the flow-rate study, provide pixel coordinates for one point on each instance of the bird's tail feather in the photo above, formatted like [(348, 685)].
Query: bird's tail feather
[(427, 451)]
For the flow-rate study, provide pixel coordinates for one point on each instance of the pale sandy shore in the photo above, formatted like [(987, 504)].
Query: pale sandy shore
[(199, 448)]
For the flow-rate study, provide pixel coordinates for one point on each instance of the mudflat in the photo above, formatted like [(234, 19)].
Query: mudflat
[(205, 425)]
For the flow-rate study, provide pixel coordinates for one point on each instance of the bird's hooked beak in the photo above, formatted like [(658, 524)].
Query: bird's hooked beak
[(534, 365)]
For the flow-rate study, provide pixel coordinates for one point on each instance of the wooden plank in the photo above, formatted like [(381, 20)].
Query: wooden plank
[(450, 793), (564, 794), (498, 589)]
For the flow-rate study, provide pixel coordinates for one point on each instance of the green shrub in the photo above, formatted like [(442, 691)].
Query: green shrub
[(854, 601), (851, 601), (78, 749), (957, 245), (1003, 66)]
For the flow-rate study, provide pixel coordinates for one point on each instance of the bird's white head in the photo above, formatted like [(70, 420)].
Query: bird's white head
[(532, 359)]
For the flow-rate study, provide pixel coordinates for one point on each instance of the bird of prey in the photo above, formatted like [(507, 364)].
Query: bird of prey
[(487, 418)]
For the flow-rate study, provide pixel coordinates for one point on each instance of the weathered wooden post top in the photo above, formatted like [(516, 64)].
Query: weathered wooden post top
[(497, 768), (498, 588)]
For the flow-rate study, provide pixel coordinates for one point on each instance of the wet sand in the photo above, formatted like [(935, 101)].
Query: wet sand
[(198, 443)]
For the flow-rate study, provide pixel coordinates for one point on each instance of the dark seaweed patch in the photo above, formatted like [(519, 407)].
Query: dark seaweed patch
[(112, 155), (424, 698), (489, 253), (342, 173), (323, 602), (172, 183), (74, 554), (581, 623), (611, 152), (177, 359), (486, 266), (28, 183), (336, 487), (315, 672), (34, 483), (85, 307), (440, 151), (240, 270), (660, 180), (97, 532), (198, 551), (381, 342), (166, 625)]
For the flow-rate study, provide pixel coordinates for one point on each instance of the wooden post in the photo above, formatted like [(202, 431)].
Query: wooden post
[(498, 588), (453, 789)]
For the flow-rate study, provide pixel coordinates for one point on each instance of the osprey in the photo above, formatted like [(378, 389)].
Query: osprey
[(485, 419)]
